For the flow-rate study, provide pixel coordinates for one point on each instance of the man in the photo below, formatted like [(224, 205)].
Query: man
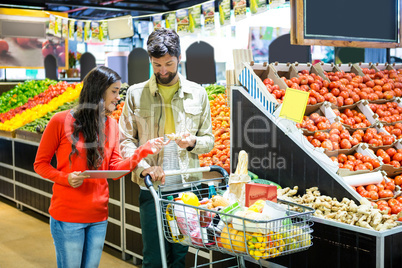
[(165, 104)]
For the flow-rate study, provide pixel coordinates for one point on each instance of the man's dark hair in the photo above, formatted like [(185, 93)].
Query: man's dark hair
[(163, 41)]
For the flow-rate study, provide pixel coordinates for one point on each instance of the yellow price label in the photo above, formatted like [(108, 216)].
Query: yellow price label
[(294, 104)]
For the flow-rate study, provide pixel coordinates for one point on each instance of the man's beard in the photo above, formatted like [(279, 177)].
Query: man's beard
[(165, 80)]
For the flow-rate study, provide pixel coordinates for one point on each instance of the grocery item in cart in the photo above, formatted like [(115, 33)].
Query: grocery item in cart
[(171, 220), (257, 216), (238, 180), (190, 223)]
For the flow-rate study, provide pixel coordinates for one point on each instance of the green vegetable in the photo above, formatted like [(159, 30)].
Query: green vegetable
[(214, 89)]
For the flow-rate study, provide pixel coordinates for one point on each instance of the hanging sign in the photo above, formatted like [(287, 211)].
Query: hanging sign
[(80, 31), (224, 12), (194, 17), (182, 21), (208, 9), (157, 21), (239, 9)]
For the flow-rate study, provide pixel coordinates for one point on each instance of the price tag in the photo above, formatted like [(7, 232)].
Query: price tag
[(294, 104)]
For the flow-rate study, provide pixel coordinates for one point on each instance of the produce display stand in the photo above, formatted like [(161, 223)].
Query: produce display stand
[(277, 154), (7, 134), (20, 184)]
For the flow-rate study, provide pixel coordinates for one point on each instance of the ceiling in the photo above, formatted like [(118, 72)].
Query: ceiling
[(100, 9)]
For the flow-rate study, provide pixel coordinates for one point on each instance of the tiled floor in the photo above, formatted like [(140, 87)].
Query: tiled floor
[(26, 242)]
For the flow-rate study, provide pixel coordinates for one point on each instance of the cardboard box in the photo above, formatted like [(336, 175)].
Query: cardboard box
[(347, 68), (364, 150), (390, 170), (362, 107), (251, 78)]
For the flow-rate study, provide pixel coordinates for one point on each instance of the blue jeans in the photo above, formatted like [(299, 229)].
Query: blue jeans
[(78, 245)]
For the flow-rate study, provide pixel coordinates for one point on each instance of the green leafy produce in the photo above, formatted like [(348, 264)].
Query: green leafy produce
[(215, 89), (20, 94)]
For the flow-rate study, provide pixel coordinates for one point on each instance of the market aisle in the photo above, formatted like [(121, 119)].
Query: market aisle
[(25, 241)]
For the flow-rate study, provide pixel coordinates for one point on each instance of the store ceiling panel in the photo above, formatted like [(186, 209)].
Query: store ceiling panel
[(98, 9)]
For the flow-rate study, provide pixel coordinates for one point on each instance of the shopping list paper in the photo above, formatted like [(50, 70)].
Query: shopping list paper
[(294, 105)]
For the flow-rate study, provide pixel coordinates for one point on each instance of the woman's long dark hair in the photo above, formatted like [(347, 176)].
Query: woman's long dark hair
[(90, 115)]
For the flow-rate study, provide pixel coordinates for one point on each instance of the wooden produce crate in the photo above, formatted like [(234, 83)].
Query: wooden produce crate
[(7, 134), (27, 135)]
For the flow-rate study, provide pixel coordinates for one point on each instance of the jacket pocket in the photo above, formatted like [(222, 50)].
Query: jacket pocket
[(193, 118), (145, 124)]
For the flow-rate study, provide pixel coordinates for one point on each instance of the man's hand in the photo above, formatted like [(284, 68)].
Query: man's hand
[(187, 140), (156, 173), (75, 180)]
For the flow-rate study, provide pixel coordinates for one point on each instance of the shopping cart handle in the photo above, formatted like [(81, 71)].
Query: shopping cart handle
[(219, 169), (148, 181)]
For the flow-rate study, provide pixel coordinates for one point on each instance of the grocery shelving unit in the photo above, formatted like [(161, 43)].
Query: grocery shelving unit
[(335, 244)]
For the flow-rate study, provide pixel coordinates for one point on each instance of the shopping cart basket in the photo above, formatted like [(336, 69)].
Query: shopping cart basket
[(218, 229)]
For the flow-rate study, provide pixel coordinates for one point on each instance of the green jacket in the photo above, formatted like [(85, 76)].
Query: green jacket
[(143, 118)]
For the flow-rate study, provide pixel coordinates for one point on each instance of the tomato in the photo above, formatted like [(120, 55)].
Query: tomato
[(384, 207), (371, 187), (24, 42), (385, 193), (382, 202), (360, 189), (342, 158), (392, 202), (398, 180), (390, 186), (373, 195), (3, 46), (396, 208)]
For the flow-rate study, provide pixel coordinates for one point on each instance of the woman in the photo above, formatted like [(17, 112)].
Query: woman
[(84, 138)]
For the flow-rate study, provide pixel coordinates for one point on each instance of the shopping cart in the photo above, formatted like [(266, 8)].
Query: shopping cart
[(241, 236)]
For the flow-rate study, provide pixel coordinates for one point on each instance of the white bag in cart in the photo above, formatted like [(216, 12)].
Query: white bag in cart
[(259, 222)]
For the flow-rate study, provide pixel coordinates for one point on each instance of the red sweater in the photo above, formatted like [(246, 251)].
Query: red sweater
[(88, 202)]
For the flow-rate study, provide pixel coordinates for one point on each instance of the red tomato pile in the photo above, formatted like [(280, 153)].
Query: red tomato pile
[(385, 191), (389, 112), (341, 139), (381, 190), (315, 122), (391, 156), (352, 118), (357, 161), (343, 88), (373, 137), (42, 98), (395, 130), (220, 154)]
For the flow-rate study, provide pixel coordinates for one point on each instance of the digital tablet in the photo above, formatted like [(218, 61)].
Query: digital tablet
[(107, 174)]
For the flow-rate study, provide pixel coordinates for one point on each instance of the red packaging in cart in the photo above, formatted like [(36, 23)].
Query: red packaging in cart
[(256, 191)]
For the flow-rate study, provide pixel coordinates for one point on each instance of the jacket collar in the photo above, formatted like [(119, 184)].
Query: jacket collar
[(183, 87)]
